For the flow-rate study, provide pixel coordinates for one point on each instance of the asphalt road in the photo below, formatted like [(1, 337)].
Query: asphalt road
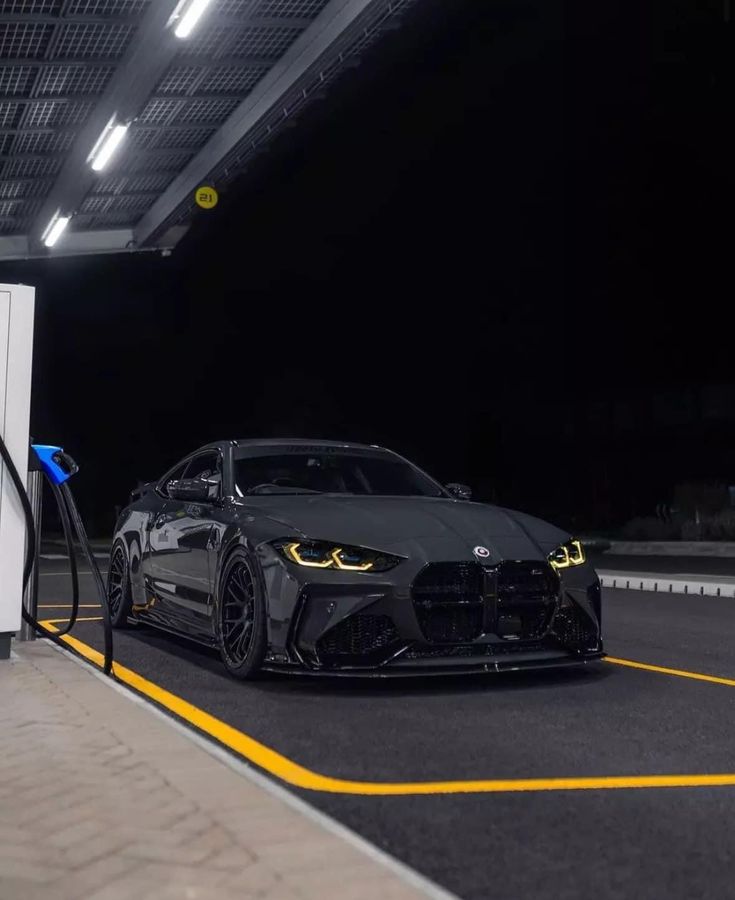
[(601, 720)]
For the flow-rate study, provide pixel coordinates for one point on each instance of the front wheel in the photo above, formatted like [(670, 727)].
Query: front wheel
[(241, 617), (119, 596)]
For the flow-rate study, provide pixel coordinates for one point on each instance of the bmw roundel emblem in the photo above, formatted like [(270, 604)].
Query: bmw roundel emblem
[(481, 552)]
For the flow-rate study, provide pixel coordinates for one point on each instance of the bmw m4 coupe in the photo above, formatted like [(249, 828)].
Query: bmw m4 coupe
[(327, 557)]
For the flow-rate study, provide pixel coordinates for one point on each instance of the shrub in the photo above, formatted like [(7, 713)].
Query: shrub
[(722, 525), (693, 531), (649, 528), (707, 499)]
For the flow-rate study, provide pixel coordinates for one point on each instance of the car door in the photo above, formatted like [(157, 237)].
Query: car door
[(179, 567), (156, 545)]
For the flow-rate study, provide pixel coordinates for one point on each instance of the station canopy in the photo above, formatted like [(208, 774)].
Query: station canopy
[(114, 112)]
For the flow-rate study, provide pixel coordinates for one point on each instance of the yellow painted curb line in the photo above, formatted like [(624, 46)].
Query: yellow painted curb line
[(48, 622), (292, 773), (679, 673), (67, 606)]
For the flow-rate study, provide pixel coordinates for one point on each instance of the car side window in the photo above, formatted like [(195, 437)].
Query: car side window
[(206, 467)]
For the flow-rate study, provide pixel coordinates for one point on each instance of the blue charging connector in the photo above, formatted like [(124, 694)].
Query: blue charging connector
[(59, 466)]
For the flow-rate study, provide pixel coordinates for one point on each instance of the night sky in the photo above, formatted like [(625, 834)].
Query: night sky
[(501, 246)]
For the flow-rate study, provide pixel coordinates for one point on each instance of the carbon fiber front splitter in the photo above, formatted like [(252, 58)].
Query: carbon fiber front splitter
[(421, 668)]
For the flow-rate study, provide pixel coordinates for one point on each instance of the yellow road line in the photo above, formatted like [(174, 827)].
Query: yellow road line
[(298, 776), (679, 673), (48, 622), (67, 606)]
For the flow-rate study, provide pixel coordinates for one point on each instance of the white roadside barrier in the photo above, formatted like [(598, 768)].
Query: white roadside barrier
[(702, 585), (668, 548)]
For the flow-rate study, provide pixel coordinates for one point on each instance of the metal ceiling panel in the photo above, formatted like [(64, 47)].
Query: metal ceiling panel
[(28, 187), (31, 7), (231, 79), (92, 41), (286, 8), (16, 81), (109, 8), (64, 79), (10, 114), (206, 110), (131, 184), (54, 113), (159, 110), (31, 167), (24, 40), (179, 79), (199, 108), (43, 141)]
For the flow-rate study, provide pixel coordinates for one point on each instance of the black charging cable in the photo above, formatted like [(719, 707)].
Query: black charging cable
[(95, 569), (71, 553), (69, 514)]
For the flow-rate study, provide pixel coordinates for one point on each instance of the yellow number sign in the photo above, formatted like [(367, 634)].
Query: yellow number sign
[(206, 197)]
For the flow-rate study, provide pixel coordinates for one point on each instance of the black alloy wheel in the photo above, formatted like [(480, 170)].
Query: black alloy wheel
[(242, 633), (118, 587)]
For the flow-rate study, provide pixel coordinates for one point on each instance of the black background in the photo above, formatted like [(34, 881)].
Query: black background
[(502, 246)]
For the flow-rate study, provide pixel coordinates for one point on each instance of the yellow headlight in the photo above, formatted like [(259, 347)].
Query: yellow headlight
[(292, 550), (362, 567), (326, 555), (569, 554)]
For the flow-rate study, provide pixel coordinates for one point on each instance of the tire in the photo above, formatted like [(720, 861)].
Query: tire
[(241, 615), (119, 595)]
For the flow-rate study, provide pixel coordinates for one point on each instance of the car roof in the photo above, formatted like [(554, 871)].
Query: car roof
[(291, 442), (305, 442)]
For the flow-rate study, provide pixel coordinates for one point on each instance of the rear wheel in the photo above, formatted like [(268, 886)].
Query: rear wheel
[(241, 617), (119, 596)]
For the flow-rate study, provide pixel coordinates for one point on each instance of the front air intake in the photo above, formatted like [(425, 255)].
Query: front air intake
[(575, 629), (359, 635)]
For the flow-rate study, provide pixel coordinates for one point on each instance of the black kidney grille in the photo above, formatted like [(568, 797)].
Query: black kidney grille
[(449, 601), (525, 582), (526, 596), (358, 635), (458, 602), (444, 625), (445, 581)]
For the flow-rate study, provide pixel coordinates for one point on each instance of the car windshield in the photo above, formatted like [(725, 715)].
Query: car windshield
[(331, 473)]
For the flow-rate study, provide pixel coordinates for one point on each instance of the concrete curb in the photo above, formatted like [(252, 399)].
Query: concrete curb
[(701, 585)]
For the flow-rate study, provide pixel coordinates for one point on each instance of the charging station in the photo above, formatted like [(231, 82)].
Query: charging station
[(17, 303)]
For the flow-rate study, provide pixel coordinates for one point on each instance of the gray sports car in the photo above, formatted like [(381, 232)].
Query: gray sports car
[(325, 557)]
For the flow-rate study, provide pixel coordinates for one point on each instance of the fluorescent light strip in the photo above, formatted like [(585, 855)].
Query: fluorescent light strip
[(190, 18), (106, 147), (55, 229), (101, 139)]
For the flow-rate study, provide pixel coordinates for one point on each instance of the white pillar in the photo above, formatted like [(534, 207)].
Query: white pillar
[(16, 359)]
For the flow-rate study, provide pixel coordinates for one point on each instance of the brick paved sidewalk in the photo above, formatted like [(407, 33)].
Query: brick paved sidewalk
[(102, 799)]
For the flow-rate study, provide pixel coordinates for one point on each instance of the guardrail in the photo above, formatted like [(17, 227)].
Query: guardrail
[(701, 585)]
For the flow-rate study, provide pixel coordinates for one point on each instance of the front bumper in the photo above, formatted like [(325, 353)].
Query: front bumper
[(353, 624), (469, 668)]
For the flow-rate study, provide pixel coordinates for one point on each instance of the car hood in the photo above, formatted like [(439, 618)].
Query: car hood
[(429, 527)]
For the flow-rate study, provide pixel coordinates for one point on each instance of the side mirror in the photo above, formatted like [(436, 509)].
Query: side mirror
[(459, 491), (189, 490)]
